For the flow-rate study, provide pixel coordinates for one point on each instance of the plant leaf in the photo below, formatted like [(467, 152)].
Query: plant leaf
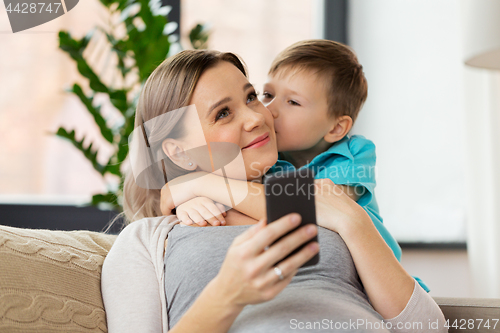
[(94, 111), (119, 99), (87, 152), (198, 36), (139, 52)]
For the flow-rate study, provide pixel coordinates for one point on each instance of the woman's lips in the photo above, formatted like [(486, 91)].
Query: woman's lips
[(259, 141)]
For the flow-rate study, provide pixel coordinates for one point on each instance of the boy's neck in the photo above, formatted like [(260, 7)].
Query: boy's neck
[(302, 157)]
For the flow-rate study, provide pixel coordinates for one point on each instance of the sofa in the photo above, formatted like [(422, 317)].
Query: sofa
[(50, 282)]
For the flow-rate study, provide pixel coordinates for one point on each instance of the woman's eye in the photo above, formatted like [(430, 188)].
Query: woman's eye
[(222, 114), (251, 97), (292, 102)]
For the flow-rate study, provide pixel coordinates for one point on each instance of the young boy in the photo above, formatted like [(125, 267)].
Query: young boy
[(315, 91)]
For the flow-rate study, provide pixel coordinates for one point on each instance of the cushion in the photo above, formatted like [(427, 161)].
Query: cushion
[(50, 281)]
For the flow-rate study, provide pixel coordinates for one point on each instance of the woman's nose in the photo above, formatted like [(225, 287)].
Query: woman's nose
[(253, 119)]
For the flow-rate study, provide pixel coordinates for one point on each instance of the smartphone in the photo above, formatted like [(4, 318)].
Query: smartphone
[(292, 192)]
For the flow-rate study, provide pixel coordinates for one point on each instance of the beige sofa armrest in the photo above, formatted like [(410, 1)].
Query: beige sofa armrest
[(50, 281), (482, 311)]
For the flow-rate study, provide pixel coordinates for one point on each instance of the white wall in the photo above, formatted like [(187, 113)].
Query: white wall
[(412, 56)]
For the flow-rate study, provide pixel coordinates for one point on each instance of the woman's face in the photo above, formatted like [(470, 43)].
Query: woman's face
[(229, 111)]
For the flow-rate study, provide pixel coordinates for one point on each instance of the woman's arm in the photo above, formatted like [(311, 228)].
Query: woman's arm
[(421, 315), (246, 197), (129, 284), (388, 286), (132, 298), (209, 313)]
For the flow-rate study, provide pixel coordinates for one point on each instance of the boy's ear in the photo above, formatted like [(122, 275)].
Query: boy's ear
[(340, 128), (173, 149)]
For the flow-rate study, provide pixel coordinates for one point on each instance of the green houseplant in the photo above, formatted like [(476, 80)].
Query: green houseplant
[(147, 42)]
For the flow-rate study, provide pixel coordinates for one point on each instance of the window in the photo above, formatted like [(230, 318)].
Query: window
[(411, 53)]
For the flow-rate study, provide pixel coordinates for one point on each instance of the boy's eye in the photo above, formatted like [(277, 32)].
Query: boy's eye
[(222, 114), (267, 95), (292, 102)]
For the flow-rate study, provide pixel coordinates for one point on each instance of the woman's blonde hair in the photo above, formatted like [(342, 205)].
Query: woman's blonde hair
[(168, 88)]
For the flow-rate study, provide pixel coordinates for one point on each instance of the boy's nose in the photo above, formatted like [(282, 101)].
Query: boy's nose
[(271, 106)]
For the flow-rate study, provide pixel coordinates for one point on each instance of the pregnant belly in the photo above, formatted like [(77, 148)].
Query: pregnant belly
[(310, 310)]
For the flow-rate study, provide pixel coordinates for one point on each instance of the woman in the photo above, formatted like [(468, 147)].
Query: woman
[(223, 279)]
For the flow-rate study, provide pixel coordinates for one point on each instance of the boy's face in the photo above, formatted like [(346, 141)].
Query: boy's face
[(298, 101)]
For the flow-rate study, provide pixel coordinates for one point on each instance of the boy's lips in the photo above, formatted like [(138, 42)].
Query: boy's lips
[(258, 141)]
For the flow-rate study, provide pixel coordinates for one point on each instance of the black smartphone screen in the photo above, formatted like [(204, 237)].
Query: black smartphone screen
[(292, 192)]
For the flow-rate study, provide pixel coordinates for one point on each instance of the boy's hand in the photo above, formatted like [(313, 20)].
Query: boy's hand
[(334, 209), (353, 192), (201, 210)]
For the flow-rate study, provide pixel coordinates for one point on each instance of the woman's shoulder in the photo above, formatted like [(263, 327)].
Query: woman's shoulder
[(145, 232), (148, 225)]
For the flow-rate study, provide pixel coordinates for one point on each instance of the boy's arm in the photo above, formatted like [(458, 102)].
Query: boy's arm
[(253, 201), (250, 198), (251, 194)]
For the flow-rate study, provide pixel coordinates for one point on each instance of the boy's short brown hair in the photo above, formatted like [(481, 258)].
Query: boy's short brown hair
[(347, 88)]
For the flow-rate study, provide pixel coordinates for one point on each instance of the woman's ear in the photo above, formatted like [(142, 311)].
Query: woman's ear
[(173, 149), (340, 128)]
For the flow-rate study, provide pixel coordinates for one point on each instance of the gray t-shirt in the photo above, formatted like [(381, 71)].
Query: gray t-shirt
[(326, 297)]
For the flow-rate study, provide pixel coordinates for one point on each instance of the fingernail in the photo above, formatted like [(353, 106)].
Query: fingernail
[(310, 229), (223, 222), (295, 218)]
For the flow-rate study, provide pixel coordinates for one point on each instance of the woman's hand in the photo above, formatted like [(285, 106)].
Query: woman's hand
[(201, 210), (247, 275)]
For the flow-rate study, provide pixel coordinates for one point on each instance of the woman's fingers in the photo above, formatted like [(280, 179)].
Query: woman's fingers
[(292, 264), (287, 244), (247, 275), (272, 232), (275, 285), (288, 268)]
